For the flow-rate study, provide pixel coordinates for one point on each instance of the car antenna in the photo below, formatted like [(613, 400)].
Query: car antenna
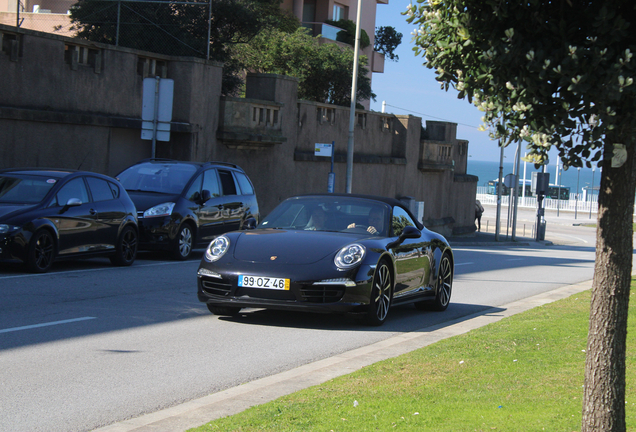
[(82, 163)]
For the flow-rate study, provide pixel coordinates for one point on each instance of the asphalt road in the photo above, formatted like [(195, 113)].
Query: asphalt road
[(88, 344)]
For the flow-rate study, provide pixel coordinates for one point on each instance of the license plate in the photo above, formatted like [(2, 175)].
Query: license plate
[(263, 282)]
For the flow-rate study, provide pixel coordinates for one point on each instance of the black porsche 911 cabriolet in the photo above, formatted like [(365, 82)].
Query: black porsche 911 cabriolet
[(329, 253)]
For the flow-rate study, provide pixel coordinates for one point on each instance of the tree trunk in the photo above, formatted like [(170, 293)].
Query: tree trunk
[(604, 393)]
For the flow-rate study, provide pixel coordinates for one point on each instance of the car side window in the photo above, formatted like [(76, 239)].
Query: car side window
[(100, 189), (115, 189), (227, 182), (75, 188), (244, 184), (194, 192), (400, 220), (211, 183)]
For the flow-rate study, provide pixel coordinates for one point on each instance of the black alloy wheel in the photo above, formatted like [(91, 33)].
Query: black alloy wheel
[(41, 252), (224, 310), (444, 287), (381, 294), (126, 248), (183, 243)]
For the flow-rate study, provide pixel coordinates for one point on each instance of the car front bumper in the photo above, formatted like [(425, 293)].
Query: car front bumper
[(349, 292)]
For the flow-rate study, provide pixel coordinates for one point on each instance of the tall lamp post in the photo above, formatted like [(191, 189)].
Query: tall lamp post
[(576, 197), (592, 194), (352, 111)]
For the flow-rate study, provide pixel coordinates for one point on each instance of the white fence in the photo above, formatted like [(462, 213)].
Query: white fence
[(549, 204)]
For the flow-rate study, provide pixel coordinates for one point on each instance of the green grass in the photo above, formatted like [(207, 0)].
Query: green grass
[(524, 373)]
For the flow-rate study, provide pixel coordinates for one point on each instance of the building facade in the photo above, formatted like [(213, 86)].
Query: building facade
[(68, 103)]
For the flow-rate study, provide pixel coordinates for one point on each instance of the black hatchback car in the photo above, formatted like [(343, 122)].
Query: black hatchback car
[(47, 214), (184, 205)]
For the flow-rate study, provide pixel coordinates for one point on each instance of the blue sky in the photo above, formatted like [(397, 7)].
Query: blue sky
[(408, 87)]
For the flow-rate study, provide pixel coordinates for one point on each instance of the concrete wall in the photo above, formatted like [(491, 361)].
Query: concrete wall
[(72, 104)]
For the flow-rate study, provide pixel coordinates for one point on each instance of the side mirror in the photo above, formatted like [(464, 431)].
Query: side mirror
[(249, 223), (72, 202), (205, 196), (410, 232)]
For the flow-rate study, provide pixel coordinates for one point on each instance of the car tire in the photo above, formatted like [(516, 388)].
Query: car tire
[(444, 287), (41, 251), (183, 243), (224, 310), (381, 296), (126, 247)]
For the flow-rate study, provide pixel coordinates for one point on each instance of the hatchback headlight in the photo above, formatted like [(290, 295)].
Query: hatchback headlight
[(164, 209), (217, 248), (350, 256)]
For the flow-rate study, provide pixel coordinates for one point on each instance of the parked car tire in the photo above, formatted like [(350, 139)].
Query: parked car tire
[(381, 294), (184, 242), (126, 248), (41, 251)]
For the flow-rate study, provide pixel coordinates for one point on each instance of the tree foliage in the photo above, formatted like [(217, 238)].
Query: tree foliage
[(387, 39), (324, 71), (557, 73), (177, 28)]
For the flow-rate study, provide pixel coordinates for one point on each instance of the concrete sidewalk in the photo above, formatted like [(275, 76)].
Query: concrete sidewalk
[(234, 400)]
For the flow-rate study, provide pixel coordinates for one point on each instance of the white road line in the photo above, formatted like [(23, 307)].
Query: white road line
[(13, 329), (89, 270)]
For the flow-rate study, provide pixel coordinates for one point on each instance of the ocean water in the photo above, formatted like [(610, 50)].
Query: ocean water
[(489, 170)]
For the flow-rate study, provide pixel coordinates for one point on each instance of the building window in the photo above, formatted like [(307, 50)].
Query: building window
[(385, 124), (10, 44), (149, 67), (326, 115), (362, 120), (265, 116), (76, 55), (339, 12)]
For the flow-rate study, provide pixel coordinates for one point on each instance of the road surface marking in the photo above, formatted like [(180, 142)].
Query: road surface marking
[(29, 327)]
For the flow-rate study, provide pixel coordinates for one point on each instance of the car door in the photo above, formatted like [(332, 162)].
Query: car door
[(412, 260), (209, 213), (76, 223), (110, 212)]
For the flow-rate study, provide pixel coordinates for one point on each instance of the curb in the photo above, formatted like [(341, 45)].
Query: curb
[(234, 400)]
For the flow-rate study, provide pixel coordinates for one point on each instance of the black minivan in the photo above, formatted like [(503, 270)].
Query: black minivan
[(184, 205)]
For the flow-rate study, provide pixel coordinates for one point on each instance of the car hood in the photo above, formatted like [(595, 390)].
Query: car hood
[(9, 210), (289, 247), (145, 200)]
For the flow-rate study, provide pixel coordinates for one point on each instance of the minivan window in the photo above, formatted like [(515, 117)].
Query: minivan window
[(157, 177), (211, 183), (244, 183), (227, 181)]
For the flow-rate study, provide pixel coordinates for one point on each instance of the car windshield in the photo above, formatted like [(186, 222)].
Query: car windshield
[(168, 178), (24, 190), (330, 213)]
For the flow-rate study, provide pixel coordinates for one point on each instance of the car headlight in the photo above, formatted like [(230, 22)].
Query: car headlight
[(217, 248), (164, 209), (350, 256)]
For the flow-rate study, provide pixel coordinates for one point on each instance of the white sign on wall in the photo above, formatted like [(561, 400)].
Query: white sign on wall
[(156, 112)]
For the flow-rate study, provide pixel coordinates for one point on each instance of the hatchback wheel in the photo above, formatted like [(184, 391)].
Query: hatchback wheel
[(126, 248), (41, 252)]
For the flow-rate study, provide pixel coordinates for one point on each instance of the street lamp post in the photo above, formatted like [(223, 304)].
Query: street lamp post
[(592, 194), (576, 197)]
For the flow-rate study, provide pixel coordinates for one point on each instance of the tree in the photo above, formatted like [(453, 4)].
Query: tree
[(324, 70), (387, 39), (558, 73), (178, 28)]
